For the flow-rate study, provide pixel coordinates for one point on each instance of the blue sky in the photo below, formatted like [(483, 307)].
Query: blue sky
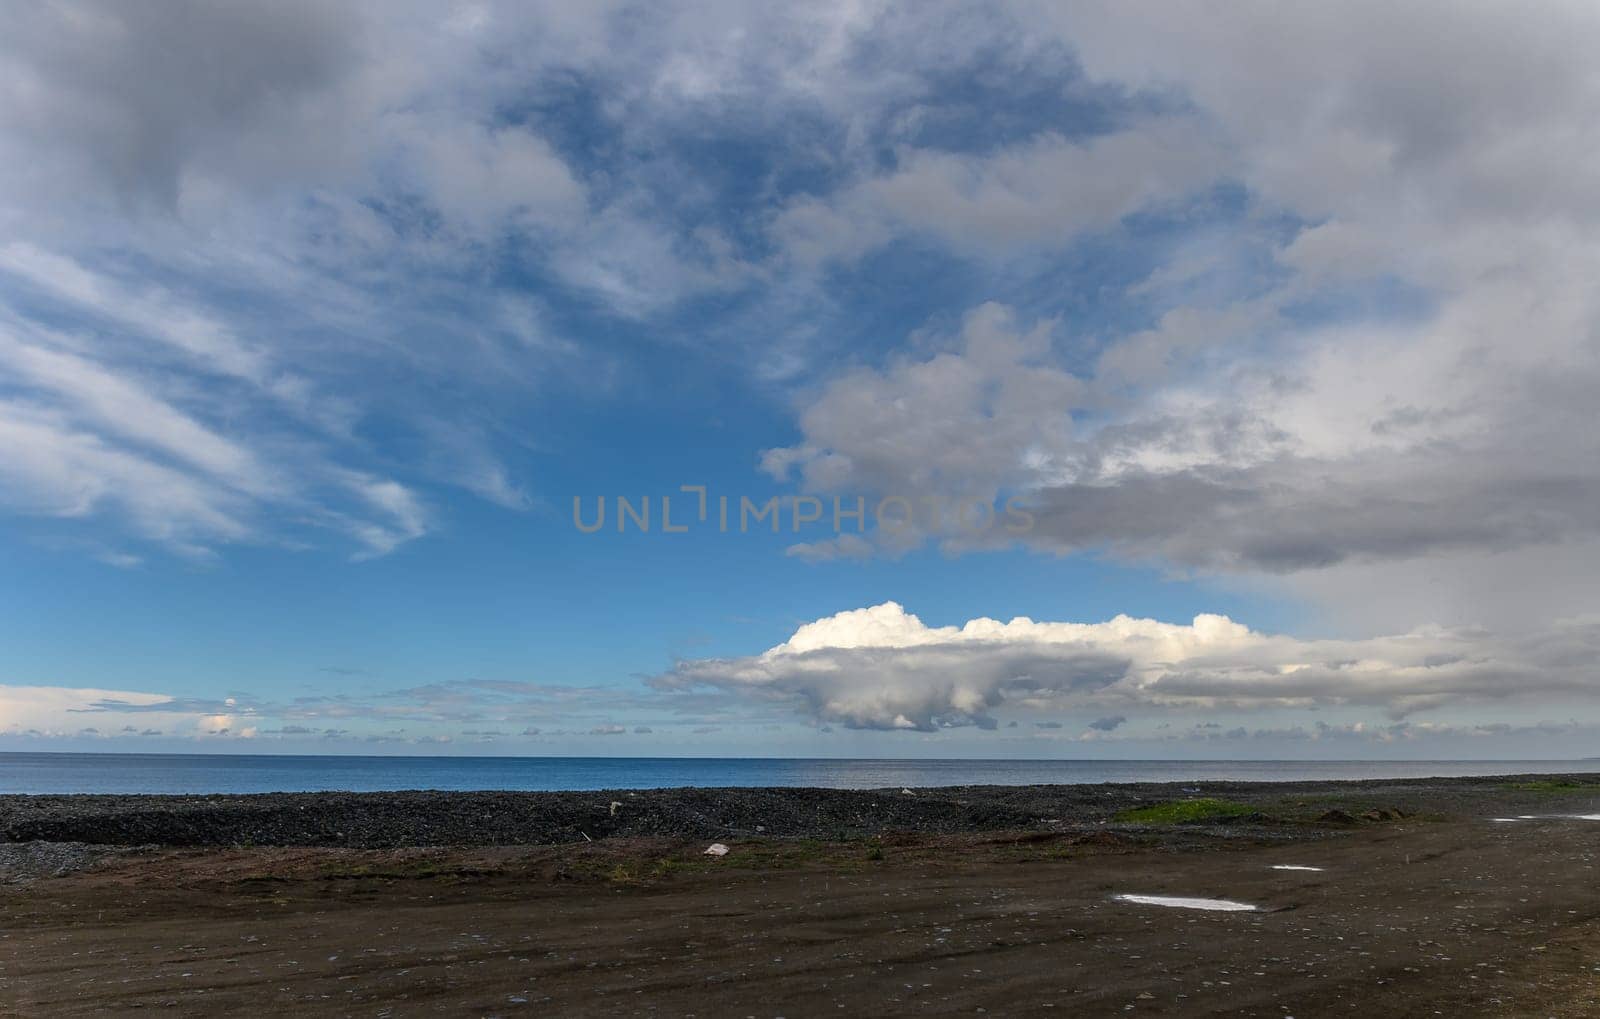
[(315, 321)]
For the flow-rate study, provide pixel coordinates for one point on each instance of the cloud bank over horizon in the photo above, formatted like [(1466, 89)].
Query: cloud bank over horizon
[(883, 668), (1138, 684)]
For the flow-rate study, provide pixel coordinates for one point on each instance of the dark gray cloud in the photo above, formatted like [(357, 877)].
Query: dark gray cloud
[(1273, 468), (921, 689), (178, 705), (142, 103), (1291, 514)]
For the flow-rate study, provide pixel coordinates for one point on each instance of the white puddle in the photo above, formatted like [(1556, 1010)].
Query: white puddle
[(1222, 905), (1586, 817), (1295, 866)]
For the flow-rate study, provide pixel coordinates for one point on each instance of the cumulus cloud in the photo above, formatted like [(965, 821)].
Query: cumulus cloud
[(1394, 371), (1432, 440), (883, 668), (963, 422)]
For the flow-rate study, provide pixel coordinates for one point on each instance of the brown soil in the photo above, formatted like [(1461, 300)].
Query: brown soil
[(1414, 916)]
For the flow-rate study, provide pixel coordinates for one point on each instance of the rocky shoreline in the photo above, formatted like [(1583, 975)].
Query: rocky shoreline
[(422, 818)]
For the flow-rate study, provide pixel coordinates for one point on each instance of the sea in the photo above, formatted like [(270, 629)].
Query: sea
[(192, 774)]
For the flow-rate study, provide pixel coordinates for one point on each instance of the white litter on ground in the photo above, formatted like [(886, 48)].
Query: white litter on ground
[(1178, 901), (716, 849), (1294, 866), (1549, 817)]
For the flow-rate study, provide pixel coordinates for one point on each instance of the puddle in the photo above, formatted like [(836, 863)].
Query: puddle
[(1295, 866), (1221, 905), (1507, 820), (1586, 817)]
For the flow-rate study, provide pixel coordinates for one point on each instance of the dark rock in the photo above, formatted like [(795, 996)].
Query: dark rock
[(379, 820)]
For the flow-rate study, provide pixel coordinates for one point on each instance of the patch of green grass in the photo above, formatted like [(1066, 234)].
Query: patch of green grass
[(626, 873), (1185, 812)]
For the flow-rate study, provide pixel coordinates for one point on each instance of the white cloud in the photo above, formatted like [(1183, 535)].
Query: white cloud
[(65, 711), (53, 468), (883, 668), (213, 223), (152, 314), (112, 403), (1241, 434), (491, 180), (94, 430), (1363, 106), (963, 423), (1414, 441), (347, 178), (1441, 438), (1040, 194), (434, 713)]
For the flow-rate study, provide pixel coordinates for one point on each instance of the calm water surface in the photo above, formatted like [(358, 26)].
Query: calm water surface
[(217, 773)]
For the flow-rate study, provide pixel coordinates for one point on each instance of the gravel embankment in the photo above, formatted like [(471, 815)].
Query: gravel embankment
[(393, 819), (23, 862)]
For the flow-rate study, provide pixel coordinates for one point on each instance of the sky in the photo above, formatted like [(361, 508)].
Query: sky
[(995, 380)]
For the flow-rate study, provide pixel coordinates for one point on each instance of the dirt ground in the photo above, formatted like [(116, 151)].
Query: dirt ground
[(1461, 916)]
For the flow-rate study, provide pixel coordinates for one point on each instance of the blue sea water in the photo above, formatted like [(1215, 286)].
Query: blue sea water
[(218, 773)]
